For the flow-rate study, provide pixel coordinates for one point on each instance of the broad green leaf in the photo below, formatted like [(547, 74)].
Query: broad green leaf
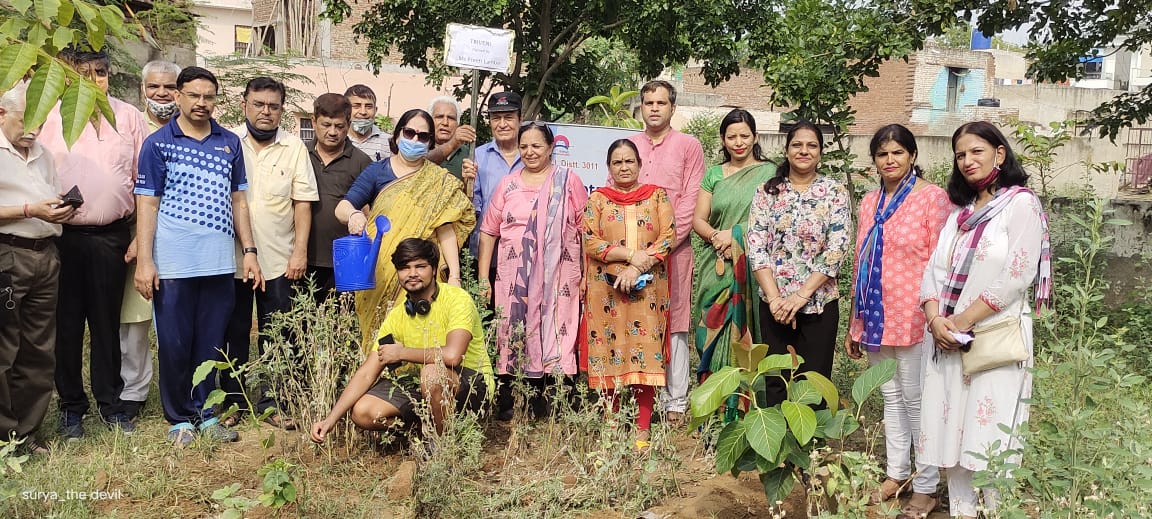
[(747, 462), (67, 11), (802, 392), (225, 492), (268, 441), (708, 396), (826, 388), (47, 10), (44, 90), (96, 33), (37, 35), (13, 27), (16, 60), (217, 396), (86, 11), (747, 358), (801, 420), (289, 493), (21, 6), (595, 100), (872, 379), (841, 425), (777, 484), (765, 431), (105, 108), (206, 367), (730, 446), (113, 19), (62, 37), (775, 363)]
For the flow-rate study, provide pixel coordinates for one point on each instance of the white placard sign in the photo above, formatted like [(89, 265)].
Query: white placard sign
[(478, 48), (585, 150)]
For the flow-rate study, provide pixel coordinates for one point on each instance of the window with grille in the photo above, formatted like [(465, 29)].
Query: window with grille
[(307, 133), (242, 38)]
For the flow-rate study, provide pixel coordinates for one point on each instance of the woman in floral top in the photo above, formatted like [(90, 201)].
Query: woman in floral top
[(799, 234)]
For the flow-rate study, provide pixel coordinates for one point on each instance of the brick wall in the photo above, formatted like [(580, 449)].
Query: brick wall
[(344, 46), (888, 99), (745, 91)]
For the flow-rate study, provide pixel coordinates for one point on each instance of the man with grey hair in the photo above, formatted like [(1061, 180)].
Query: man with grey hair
[(158, 86), (31, 212), (451, 136)]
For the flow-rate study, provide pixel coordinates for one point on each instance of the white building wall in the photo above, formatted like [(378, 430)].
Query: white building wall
[(218, 21)]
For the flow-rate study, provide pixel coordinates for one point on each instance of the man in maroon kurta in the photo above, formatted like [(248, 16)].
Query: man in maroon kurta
[(675, 162)]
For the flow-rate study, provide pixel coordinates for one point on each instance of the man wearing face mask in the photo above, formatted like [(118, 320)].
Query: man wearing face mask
[(158, 85), (281, 189), (420, 198), (364, 133), (102, 165)]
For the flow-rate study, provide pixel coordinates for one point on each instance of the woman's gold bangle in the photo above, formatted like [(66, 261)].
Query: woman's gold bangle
[(631, 252)]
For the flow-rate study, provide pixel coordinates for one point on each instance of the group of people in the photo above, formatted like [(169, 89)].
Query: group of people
[(188, 226)]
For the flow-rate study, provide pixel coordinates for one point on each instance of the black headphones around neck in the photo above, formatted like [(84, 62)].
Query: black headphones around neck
[(420, 306)]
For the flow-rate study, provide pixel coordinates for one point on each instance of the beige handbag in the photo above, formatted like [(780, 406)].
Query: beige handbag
[(995, 345)]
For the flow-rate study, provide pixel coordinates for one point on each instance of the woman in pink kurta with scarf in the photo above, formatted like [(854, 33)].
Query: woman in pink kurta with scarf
[(532, 229), (898, 227)]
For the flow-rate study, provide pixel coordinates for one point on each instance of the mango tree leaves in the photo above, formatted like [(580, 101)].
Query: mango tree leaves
[(801, 420), (708, 396), (765, 431), (47, 83), (15, 61), (872, 379)]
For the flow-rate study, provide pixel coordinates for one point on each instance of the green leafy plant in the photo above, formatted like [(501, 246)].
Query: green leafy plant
[(1037, 150), (614, 108), (705, 126), (33, 33), (777, 441)]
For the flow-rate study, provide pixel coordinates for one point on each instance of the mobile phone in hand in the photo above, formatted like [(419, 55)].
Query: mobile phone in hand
[(72, 198)]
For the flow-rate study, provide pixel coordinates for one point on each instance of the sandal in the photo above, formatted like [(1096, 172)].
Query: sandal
[(912, 510), (891, 488), (281, 421)]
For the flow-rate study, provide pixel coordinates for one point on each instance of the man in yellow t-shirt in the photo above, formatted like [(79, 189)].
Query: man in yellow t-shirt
[(436, 337)]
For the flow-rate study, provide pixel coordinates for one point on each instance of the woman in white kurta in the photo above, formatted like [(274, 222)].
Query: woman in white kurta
[(991, 251)]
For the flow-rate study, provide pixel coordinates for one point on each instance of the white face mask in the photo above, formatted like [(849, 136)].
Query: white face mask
[(161, 111), (362, 126)]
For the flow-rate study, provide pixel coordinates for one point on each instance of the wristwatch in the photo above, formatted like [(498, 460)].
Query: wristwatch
[(249, 249)]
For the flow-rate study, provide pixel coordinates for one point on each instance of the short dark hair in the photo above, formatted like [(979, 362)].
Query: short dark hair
[(623, 143), (403, 121), (360, 91), (1011, 172), (899, 134), (332, 105), (75, 56), (740, 115), (412, 249), (264, 83), (194, 73), (651, 86), (539, 126)]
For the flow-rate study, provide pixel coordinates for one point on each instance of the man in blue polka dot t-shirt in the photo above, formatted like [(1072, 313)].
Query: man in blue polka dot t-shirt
[(190, 207)]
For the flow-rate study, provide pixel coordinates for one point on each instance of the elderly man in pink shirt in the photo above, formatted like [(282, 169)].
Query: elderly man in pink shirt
[(675, 162), (102, 164)]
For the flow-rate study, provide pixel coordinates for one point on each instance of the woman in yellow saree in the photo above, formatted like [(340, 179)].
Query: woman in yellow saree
[(420, 198)]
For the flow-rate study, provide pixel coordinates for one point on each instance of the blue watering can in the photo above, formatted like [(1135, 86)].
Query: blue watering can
[(354, 258)]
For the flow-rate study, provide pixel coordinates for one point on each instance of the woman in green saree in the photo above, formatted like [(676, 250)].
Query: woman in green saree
[(725, 285)]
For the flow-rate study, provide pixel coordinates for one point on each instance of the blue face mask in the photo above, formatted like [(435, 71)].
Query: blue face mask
[(411, 149)]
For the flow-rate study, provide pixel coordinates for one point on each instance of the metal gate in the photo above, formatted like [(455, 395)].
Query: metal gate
[(1138, 170)]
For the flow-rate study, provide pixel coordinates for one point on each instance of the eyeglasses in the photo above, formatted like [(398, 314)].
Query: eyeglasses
[(411, 134), (271, 107), (196, 98)]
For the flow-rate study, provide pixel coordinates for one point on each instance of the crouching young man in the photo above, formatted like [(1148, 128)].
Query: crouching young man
[(436, 336)]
